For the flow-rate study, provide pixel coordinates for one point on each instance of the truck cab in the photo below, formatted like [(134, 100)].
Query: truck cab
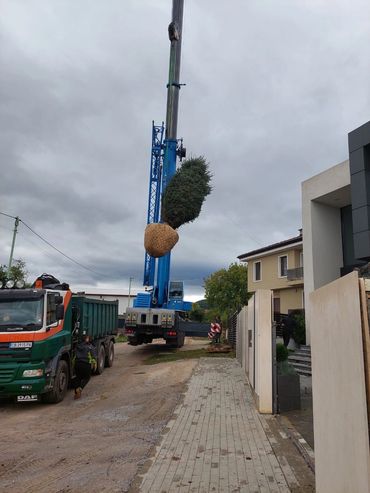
[(35, 343)]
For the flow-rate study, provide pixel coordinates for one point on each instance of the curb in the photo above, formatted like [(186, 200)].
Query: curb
[(300, 443)]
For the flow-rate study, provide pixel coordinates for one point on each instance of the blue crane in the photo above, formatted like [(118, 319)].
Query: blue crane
[(155, 312), (165, 150)]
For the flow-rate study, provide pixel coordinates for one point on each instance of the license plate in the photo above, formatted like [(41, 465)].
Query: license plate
[(27, 398), (18, 345)]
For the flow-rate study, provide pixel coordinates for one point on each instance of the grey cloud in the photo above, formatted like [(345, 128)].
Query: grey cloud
[(272, 91)]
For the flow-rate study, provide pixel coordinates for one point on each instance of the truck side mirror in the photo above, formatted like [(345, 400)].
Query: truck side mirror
[(59, 312)]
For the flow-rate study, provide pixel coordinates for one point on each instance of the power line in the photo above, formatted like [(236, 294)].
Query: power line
[(7, 215), (36, 246), (59, 251), (54, 247)]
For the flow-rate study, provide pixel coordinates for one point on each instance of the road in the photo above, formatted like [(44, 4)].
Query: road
[(98, 442)]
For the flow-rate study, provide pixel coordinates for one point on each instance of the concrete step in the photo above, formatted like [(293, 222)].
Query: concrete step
[(303, 352), (299, 367), (300, 358), (297, 354), (304, 349), (303, 372)]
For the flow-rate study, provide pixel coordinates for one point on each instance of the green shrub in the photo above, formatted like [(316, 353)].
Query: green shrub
[(299, 333), (184, 195), (284, 368), (282, 352)]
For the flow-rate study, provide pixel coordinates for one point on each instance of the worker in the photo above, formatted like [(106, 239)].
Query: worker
[(85, 363), (218, 329)]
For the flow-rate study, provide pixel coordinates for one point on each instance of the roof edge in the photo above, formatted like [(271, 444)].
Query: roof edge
[(274, 246)]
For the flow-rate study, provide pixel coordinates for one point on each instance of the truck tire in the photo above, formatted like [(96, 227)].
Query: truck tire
[(179, 340), (182, 339), (100, 359), (132, 341), (60, 386), (110, 355)]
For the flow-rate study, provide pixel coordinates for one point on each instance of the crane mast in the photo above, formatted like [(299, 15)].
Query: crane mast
[(165, 149)]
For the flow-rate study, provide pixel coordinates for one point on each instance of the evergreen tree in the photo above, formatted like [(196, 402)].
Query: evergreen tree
[(184, 195)]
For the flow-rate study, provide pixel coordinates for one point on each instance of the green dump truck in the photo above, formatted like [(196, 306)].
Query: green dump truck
[(39, 330)]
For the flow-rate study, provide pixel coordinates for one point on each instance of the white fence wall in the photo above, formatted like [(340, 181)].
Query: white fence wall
[(342, 455), (254, 347)]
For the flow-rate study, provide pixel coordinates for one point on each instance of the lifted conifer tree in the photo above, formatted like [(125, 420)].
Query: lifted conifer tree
[(181, 203), (184, 196)]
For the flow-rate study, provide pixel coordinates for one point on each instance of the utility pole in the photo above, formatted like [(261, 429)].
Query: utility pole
[(129, 291), (13, 243)]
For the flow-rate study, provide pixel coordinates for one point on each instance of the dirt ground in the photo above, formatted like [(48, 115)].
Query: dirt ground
[(98, 442)]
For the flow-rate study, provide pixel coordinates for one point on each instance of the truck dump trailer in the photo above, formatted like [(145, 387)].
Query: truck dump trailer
[(39, 330)]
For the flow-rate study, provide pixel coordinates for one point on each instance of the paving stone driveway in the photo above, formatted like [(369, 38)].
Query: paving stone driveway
[(217, 442)]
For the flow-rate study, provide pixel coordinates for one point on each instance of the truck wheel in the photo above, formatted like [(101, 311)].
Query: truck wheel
[(132, 341), (110, 355), (179, 340), (60, 387), (100, 360), (182, 339)]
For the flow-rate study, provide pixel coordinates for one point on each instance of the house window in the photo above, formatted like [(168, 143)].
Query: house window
[(257, 276), (283, 266)]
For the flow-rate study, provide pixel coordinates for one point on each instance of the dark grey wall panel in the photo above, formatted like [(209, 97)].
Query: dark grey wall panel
[(361, 243), (359, 160), (359, 138)]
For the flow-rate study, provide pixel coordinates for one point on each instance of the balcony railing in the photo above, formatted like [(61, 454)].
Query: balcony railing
[(295, 274)]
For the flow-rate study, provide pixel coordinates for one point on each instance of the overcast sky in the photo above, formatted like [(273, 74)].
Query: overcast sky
[(272, 89)]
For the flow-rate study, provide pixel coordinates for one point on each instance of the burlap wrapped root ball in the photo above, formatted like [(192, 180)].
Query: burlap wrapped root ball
[(159, 239), (181, 203)]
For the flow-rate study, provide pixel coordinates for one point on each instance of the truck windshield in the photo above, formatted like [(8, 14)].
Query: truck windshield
[(21, 314)]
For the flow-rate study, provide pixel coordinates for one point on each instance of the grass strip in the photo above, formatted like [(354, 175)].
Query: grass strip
[(176, 355), (121, 338)]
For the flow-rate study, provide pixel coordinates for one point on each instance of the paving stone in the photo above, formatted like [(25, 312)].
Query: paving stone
[(217, 441)]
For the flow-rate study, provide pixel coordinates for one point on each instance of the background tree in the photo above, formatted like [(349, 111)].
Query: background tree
[(197, 313), (227, 290), (18, 271)]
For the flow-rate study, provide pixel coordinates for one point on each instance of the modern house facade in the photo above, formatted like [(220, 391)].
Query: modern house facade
[(278, 267), (336, 218)]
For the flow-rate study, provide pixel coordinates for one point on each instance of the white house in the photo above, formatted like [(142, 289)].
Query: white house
[(123, 296)]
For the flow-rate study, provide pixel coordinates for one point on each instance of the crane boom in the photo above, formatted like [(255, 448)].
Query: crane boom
[(163, 159), (156, 313)]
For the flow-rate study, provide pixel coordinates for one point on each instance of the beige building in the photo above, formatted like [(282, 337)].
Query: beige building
[(278, 267)]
